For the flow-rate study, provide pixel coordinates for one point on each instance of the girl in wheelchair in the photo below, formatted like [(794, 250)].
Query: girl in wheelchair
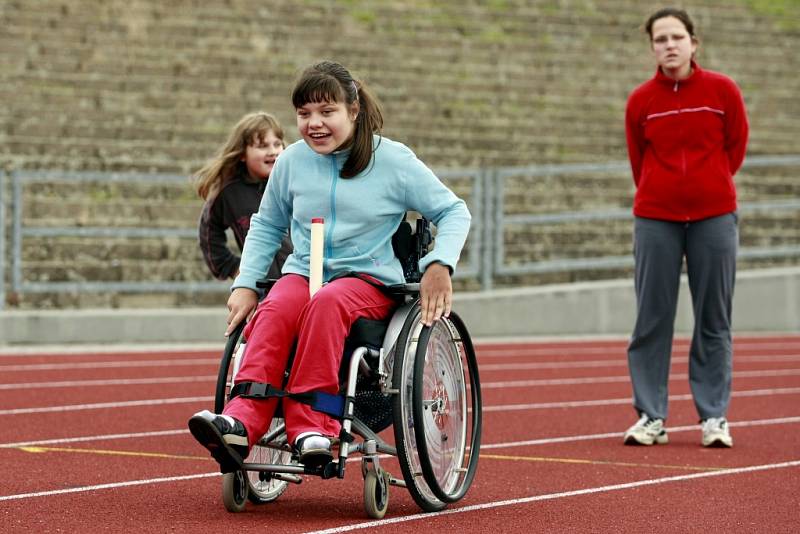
[(362, 184)]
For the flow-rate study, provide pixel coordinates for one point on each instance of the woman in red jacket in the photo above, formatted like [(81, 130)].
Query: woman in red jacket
[(687, 134)]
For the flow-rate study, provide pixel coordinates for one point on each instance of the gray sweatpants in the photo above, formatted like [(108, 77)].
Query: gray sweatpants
[(710, 248)]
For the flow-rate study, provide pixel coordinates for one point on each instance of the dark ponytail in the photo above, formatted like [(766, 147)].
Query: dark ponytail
[(331, 82), (368, 121)]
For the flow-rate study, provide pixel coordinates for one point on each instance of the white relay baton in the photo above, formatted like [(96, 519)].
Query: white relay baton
[(315, 261)]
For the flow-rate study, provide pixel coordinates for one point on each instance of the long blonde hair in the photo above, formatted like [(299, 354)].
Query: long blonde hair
[(211, 178)]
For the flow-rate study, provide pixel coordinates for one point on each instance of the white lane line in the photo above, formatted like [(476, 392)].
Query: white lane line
[(618, 433), (496, 408), (111, 485), (109, 382), (483, 506), (552, 365), (620, 362), (484, 385), (88, 349), (104, 405), (103, 437), (756, 373), (563, 439), (548, 351), (620, 378), (627, 400), (531, 344), (560, 495), (555, 382), (540, 441), (521, 352), (123, 364), (769, 359), (107, 365)]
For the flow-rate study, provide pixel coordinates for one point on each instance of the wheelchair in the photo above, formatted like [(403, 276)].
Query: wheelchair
[(421, 381)]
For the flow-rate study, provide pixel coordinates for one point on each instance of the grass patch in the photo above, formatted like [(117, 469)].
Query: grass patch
[(785, 12)]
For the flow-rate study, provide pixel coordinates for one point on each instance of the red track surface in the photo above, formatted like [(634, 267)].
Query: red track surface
[(98, 442)]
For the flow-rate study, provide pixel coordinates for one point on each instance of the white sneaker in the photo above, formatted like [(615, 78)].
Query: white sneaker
[(716, 433), (314, 449), (647, 431)]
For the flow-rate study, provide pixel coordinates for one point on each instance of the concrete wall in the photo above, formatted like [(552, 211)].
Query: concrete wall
[(766, 300)]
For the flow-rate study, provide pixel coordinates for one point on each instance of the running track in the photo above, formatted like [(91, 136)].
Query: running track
[(95, 441)]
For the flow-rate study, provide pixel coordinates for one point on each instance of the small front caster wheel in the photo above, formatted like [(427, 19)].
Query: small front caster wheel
[(234, 491), (376, 493)]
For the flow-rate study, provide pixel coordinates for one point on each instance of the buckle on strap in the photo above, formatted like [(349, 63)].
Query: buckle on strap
[(255, 390)]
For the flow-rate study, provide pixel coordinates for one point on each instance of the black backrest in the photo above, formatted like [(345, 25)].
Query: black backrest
[(409, 246)]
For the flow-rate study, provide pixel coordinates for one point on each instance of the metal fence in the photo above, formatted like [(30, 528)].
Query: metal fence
[(501, 221), (485, 259), (20, 231)]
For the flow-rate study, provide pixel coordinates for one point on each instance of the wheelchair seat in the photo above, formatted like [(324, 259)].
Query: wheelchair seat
[(372, 407)]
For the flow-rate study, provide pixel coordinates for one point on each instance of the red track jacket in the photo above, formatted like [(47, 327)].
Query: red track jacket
[(686, 140)]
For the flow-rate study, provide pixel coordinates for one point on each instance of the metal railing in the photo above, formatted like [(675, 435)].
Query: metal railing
[(19, 232), (485, 258), (495, 258)]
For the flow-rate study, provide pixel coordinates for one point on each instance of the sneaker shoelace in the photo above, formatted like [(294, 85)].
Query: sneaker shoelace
[(648, 422), (714, 424)]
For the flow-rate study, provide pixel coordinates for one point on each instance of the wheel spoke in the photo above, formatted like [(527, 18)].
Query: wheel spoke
[(444, 360)]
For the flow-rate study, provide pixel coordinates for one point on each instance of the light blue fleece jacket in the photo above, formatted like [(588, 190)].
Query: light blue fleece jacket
[(361, 213)]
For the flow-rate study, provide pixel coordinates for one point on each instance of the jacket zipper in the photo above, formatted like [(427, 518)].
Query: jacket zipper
[(683, 149), (329, 227)]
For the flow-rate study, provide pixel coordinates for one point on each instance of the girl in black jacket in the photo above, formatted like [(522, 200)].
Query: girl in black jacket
[(232, 185)]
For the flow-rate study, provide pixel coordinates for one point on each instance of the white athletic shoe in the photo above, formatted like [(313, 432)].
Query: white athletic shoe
[(716, 433), (314, 449), (647, 431)]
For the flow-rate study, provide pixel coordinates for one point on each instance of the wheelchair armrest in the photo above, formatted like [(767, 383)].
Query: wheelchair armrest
[(401, 290), (266, 283)]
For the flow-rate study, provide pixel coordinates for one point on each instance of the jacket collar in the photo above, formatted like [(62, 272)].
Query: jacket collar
[(666, 80)]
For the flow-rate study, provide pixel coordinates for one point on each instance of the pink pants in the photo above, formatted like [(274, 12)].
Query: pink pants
[(320, 326)]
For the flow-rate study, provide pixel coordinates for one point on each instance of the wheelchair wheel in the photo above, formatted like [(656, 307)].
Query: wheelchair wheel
[(234, 346), (404, 429), (263, 488), (446, 405)]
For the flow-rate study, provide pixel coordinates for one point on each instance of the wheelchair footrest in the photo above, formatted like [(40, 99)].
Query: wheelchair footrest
[(329, 470)]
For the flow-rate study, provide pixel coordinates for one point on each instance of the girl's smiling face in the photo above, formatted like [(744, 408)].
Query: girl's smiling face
[(260, 156), (326, 126)]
